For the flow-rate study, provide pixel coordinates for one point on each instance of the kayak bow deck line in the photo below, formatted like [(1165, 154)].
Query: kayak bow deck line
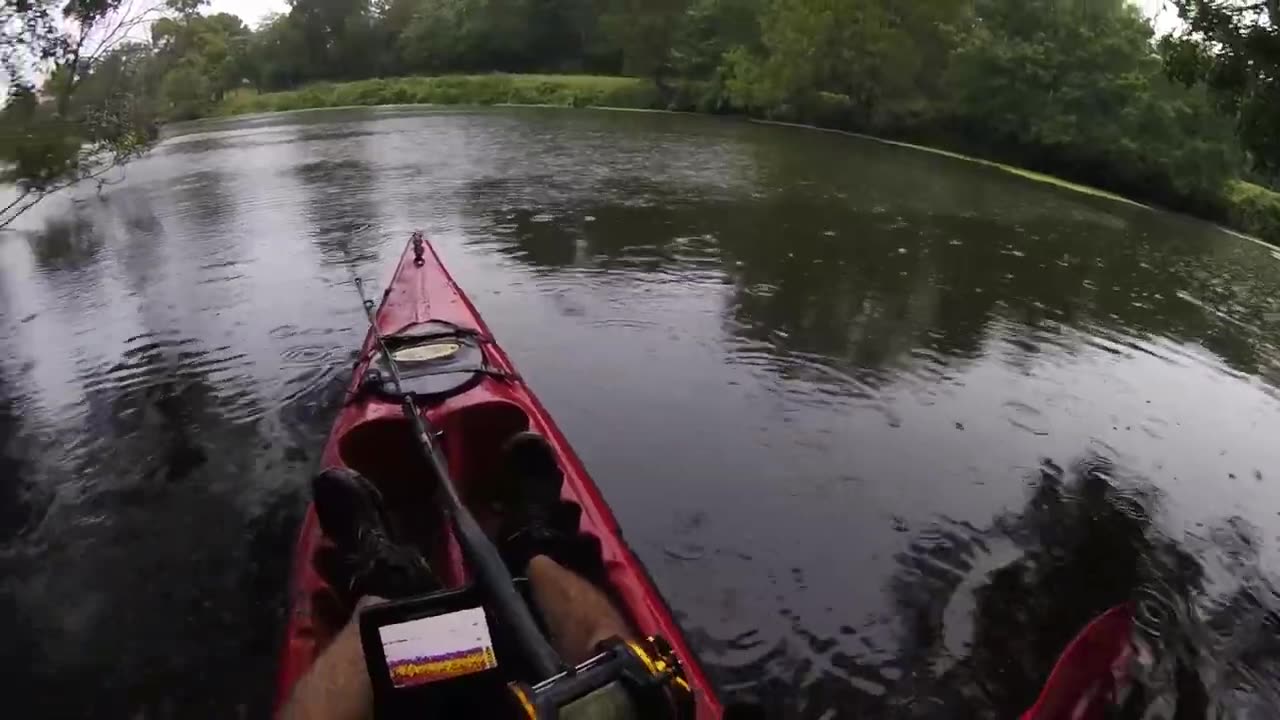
[(449, 375)]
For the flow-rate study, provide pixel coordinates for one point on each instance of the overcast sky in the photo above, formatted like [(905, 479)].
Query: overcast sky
[(252, 11), (1166, 17)]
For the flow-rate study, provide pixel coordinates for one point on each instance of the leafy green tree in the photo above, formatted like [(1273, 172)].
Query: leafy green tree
[(478, 35), (276, 55), (186, 92), (438, 37), (1047, 72), (336, 37), (710, 30), (564, 35), (644, 31), (71, 130), (1234, 47), (1075, 87), (883, 57), (203, 58)]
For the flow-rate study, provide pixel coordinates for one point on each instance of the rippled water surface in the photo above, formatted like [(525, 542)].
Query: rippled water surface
[(887, 428)]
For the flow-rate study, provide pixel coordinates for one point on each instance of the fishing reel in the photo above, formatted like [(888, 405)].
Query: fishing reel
[(627, 680)]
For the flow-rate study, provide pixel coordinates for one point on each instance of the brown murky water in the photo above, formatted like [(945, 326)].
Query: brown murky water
[(887, 428)]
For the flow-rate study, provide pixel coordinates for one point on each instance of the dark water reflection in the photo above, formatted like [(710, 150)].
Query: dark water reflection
[(887, 428)]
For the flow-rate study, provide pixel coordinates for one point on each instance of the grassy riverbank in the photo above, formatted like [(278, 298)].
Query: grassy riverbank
[(1253, 209), (495, 89), (1244, 206)]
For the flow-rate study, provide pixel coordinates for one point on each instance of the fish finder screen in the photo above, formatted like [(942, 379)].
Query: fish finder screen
[(438, 648)]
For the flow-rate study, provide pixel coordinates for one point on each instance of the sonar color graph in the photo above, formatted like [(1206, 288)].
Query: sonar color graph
[(438, 648)]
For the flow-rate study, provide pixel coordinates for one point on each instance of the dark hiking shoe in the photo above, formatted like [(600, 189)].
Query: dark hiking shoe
[(365, 559), (532, 510)]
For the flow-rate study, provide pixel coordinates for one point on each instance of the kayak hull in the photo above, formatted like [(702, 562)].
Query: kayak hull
[(1091, 672), (369, 436)]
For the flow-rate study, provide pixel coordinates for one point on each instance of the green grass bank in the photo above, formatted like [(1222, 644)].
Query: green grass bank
[(496, 89), (1248, 208), (1253, 209)]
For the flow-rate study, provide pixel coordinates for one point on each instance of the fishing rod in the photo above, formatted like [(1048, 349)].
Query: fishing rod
[(478, 549)]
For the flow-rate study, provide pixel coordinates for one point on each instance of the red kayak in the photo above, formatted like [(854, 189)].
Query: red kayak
[(477, 401), (1092, 672)]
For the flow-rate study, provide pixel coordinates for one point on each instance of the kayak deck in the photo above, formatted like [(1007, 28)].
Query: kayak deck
[(372, 437)]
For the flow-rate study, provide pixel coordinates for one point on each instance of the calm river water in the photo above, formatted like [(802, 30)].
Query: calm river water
[(888, 428)]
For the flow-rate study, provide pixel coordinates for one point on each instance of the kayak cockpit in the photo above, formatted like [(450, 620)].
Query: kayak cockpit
[(384, 451)]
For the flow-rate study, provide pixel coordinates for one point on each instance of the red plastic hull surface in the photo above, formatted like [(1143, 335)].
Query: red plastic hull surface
[(418, 294), (1090, 673)]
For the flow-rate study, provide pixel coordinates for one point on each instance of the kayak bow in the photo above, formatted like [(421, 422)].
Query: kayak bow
[(1091, 672)]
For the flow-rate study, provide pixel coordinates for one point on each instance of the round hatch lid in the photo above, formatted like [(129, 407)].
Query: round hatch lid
[(436, 360)]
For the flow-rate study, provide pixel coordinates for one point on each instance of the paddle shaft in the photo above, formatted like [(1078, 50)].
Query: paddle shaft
[(480, 552)]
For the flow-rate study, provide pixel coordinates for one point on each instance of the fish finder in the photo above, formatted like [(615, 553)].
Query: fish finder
[(436, 653)]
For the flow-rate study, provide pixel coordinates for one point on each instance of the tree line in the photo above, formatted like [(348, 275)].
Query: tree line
[(1079, 88)]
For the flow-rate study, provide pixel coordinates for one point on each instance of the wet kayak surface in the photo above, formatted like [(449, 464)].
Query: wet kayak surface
[(887, 428)]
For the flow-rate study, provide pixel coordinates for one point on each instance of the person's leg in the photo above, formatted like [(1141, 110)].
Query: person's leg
[(578, 615), (365, 561), (337, 686)]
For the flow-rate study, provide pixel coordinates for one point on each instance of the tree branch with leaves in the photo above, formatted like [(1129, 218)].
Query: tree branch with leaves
[(1233, 46), (90, 114)]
